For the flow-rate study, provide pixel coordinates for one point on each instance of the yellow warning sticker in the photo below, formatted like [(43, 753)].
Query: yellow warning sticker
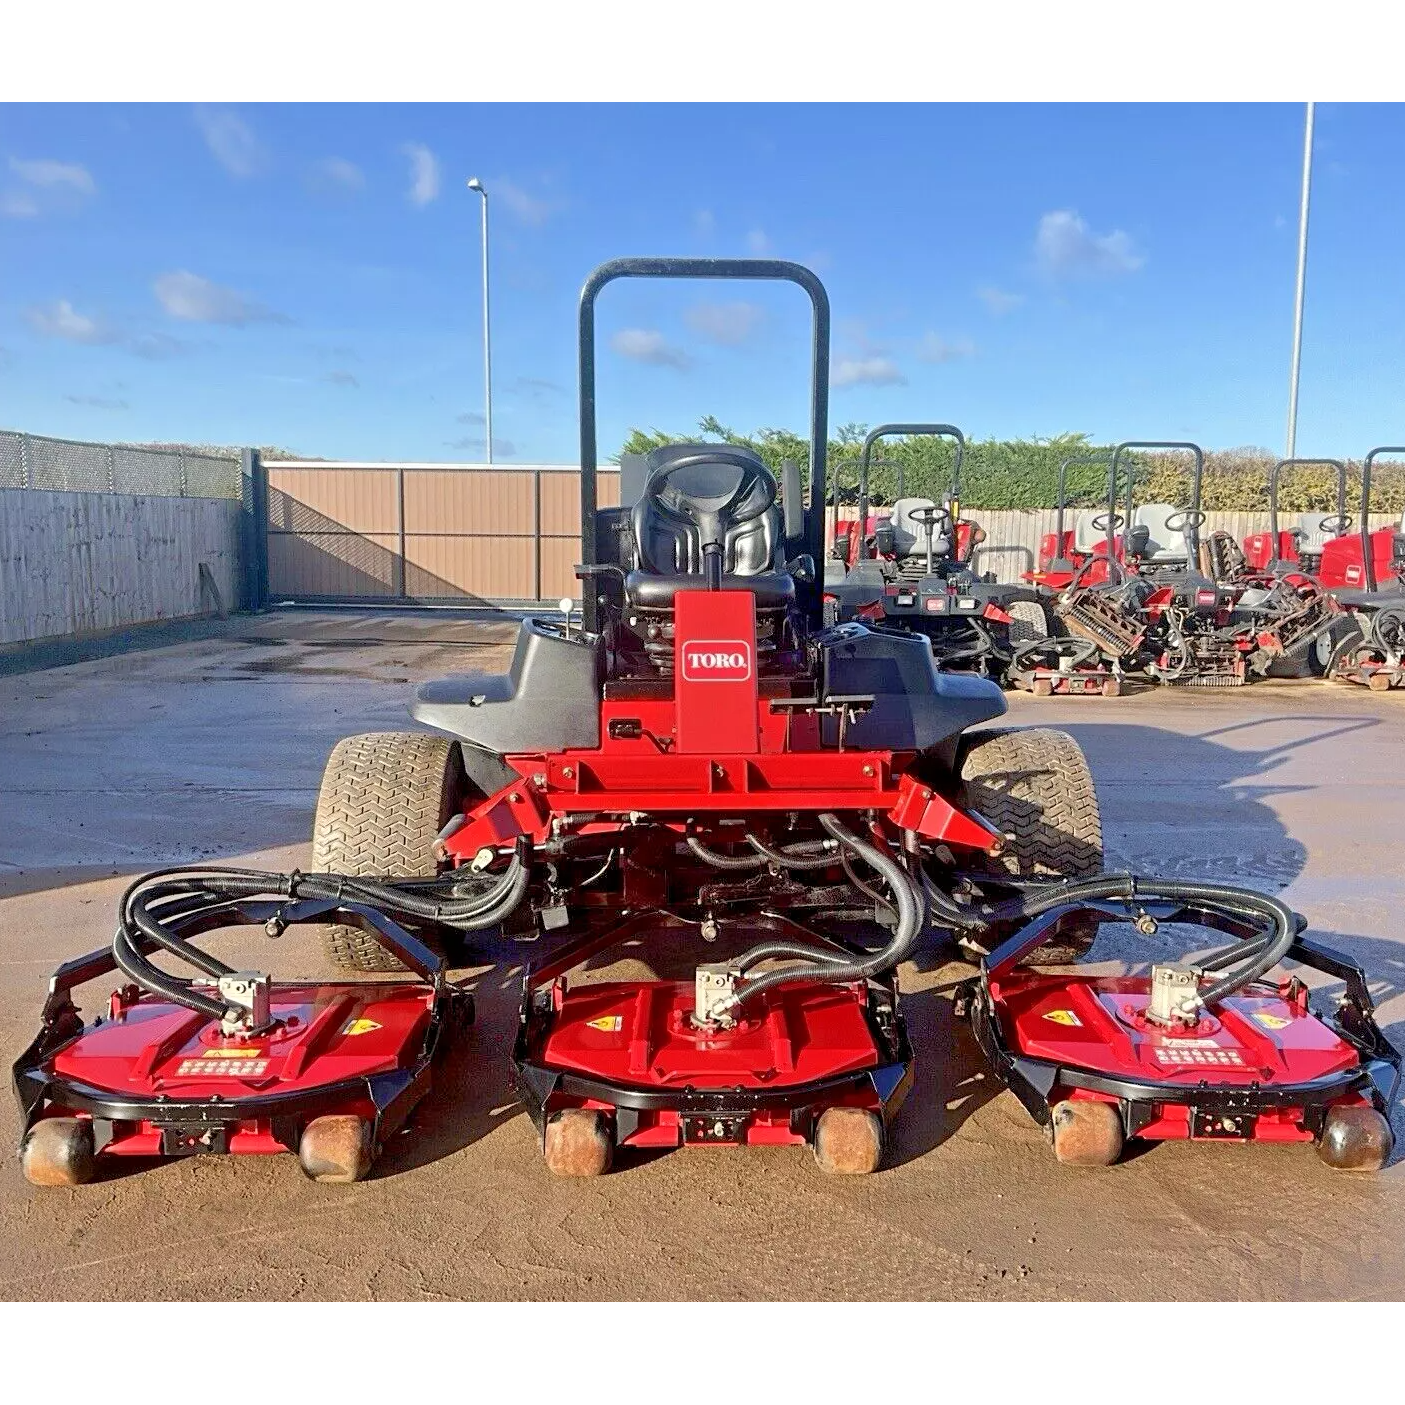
[(362, 1026), (1271, 1021), (1064, 1017), (610, 1024), (232, 1054)]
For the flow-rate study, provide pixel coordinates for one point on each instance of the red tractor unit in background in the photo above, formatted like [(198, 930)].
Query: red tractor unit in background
[(1297, 548), (1365, 573), (915, 573)]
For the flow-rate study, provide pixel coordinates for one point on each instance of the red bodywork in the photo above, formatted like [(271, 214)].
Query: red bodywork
[(1049, 552), (149, 1048), (641, 1035), (1257, 1038), (1343, 566), (717, 749), (1259, 550)]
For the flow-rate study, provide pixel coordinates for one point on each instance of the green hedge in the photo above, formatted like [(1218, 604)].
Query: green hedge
[(1001, 473)]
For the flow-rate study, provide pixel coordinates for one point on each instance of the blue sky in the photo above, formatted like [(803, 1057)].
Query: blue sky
[(308, 275)]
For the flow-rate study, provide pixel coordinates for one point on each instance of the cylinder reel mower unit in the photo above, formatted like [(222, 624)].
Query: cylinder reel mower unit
[(225, 1061), (1209, 1049)]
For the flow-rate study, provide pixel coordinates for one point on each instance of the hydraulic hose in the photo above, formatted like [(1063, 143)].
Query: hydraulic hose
[(813, 854), (910, 907), (728, 863), (1256, 954)]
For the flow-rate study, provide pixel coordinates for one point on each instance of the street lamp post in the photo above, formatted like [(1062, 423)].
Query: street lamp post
[(476, 184), (1302, 282)]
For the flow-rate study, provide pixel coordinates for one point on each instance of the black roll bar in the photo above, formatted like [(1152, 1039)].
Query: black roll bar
[(761, 269)]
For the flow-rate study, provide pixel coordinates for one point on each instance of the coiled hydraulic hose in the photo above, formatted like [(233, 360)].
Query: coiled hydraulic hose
[(1257, 954), (911, 910), (156, 907)]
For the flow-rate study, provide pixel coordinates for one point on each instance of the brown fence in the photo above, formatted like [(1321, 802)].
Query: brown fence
[(425, 532)]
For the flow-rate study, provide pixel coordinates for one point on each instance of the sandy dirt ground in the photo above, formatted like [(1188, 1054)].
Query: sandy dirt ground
[(213, 750)]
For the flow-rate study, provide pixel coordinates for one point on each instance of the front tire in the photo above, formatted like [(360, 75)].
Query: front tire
[(384, 798), (1034, 785)]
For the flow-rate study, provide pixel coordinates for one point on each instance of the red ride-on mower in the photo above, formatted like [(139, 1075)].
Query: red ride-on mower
[(1373, 652), (1211, 1050), (915, 573), (233, 1061), (700, 775), (1281, 550)]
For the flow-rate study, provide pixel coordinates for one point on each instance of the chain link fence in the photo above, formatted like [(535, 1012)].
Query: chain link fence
[(72, 466)]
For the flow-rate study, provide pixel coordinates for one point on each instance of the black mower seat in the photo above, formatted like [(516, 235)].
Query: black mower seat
[(647, 590)]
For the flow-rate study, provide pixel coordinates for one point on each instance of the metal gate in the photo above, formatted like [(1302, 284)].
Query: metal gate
[(429, 533)]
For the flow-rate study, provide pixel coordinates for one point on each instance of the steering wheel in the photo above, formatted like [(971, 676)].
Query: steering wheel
[(722, 486), (1335, 525), (1100, 522), (1189, 517), (928, 516)]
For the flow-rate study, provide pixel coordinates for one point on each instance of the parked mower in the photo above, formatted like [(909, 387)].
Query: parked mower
[(1065, 549), (1299, 548), (1188, 613), (915, 573), (1209, 1049), (1373, 652)]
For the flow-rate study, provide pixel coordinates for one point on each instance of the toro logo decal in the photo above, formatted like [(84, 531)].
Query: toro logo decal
[(717, 661)]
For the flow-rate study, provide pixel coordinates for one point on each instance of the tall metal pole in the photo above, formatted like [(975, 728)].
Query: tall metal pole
[(1302, 282), (476, 184)]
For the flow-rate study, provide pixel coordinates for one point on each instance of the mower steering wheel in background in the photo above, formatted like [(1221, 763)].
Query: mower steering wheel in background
[(1188, 517), (1100, 522), (1337, 524)]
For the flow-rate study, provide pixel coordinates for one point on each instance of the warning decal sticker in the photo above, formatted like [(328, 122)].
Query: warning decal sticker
[(1064, 1017), (221, 1065), (1271, 1021), (609, 1024), (361, 1026)]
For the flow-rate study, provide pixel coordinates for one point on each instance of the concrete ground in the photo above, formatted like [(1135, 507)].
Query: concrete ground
[(213, 750)]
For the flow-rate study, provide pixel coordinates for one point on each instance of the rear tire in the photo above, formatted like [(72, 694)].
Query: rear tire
[(384, 798), (1035, 787), (1028, 621), (1355, 1139)]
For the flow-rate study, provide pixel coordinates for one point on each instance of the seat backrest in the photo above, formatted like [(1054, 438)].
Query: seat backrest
[(668, 544), (910, 532), (1085, 535), (1310, 534), (1162, 543)]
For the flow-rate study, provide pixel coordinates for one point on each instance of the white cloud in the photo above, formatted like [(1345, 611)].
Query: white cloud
[(866, 370), (336, 172), (1065, 246), (650, 347), (474, 444), (54, 174), (18, 205), (231, 140), (936, 348), (529, 208), (704, 224), (62, 320), (344, 379), (997, 300), (757, 244), (424, 174), (190, 298), (45, 185), (97, 402), (726, 323)]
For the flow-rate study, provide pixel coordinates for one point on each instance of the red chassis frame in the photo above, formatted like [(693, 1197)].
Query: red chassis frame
[(717, 749)]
